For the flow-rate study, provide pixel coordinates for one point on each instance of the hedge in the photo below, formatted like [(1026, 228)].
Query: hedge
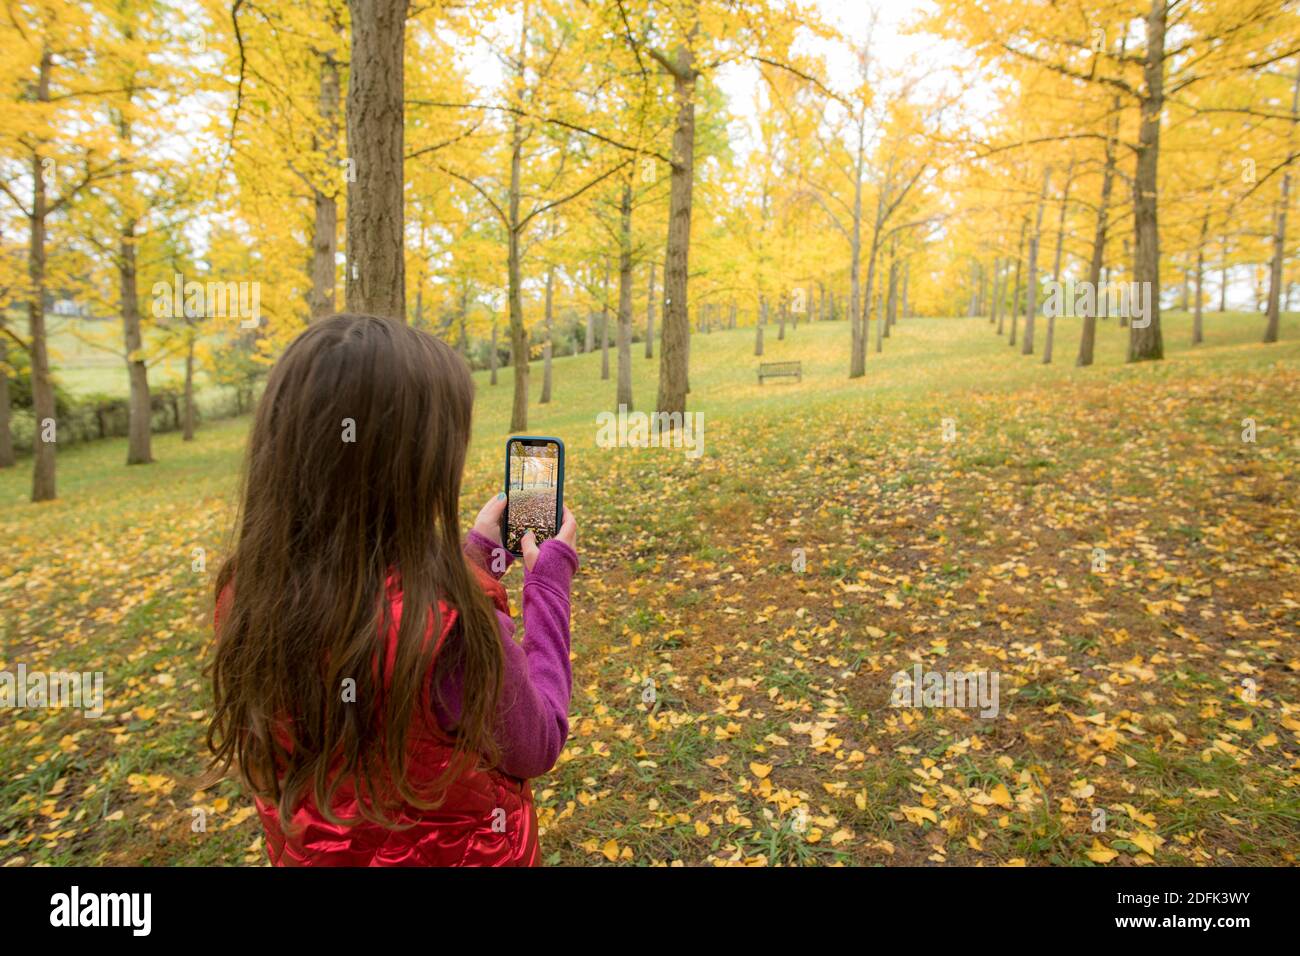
[(90, 417)]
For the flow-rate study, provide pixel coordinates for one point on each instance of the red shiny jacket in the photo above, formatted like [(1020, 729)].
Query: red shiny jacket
[(486, 819)]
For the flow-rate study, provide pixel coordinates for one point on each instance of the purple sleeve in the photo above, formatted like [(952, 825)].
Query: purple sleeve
[(533, 712), (482, 551)]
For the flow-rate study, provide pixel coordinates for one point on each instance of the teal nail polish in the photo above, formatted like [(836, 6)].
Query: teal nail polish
[(501, 495)]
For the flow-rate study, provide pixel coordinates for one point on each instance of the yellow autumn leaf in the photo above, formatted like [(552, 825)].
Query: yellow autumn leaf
[(917, 815), (1100, 853), (1146, 841)]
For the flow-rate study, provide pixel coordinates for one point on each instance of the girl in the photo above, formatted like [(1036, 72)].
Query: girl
[(367, 686)]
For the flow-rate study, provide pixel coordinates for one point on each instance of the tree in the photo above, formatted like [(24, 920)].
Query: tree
[(1212, 42), (688, 40), (116, 217), (552, 157), (1279, 231), (50, 147), (375, 280), (1031, 286)]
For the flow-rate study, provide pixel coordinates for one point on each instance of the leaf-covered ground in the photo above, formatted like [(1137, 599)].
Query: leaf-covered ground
[(1103, 539)]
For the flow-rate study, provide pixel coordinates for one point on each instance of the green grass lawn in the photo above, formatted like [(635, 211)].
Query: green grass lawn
[(86, 357), (764, 594)]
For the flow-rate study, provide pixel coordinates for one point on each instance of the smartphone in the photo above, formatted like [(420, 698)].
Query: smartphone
[(534, 490)]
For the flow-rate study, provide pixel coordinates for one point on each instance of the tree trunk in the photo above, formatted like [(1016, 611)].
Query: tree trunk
[(1056, 262), (188, 434), (1279, 234), (1088, 337), (1273, 310), (1031, 286), (518, 334), (650, 315), (1015, 296), (325, 226), (868, 299), (139, 408), (857, 354), (604, 327), (518, 338), (674, 357), (758, 329), (549, 346), (999, 288), (7, 458), (1060, 223), (870, 296), (375, 282), (780, 317), (43, 484), (984, 291), (891, 300), (625, 299), (1145, 342), (493, 357), (1223, 277), (879, 312), (1198, 324)]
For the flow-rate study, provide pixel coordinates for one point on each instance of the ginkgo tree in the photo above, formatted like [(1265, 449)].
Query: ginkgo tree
[(1152, 56), (51, 150)]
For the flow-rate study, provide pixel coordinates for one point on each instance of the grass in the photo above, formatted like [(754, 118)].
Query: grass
[(1162, 690), (86, 359)]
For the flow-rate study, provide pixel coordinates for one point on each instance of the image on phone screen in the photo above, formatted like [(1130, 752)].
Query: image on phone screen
[(532, 486)]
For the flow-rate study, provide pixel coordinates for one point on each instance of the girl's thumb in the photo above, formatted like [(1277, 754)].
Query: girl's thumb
[(528, 546)]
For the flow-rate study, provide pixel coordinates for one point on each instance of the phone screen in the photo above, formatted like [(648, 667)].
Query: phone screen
[(533, 476)]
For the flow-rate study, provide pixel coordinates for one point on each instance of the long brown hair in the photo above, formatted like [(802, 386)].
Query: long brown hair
[(353, 475)]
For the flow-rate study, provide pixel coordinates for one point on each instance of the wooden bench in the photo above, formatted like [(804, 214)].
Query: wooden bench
[(780, 370)]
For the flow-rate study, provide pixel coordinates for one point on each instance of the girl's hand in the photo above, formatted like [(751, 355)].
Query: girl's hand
[(568, 533), (488, 522)]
